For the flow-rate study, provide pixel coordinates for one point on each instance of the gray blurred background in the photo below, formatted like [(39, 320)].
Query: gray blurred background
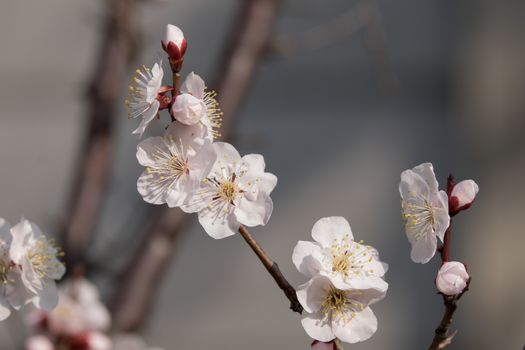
[(336, 140)]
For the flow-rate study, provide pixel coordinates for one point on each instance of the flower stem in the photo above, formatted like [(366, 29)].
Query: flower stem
[(273, 270), (445, 249)]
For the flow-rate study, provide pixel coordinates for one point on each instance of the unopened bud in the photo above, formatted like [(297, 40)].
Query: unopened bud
[(452, 278), (462, 195), (174, 42)]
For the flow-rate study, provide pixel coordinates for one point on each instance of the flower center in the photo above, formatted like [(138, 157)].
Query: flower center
[(228, 191), (4, 271), (419, 217), (339, 306), (43, 257), (169, 167)]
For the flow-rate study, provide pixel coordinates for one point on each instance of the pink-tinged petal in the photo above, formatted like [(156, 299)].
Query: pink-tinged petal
[(452, 278), (188, 109), (147, 117), (413, 186), (254, 213), (312, 294), (194, 85), (98, 341), (188, 138), (360, 327), (316, 328), (304, 258), (148, 149), (254, 163), (441, 222), (20, 233), (329, 229), (226, 153), (426, 171), (218, 225), (424, 249)]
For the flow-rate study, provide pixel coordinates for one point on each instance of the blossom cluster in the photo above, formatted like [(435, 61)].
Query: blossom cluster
[(427, 212), (29, 267), (79, 322), (185, 168), (346, 277)]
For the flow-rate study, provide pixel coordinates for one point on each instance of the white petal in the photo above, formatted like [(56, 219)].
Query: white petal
[(424, 249), (226, 153), (173, 33), (426, 171), (20, 233), (312, 294), (5, 308), (329, 229), (152, 188), (38, 342), (98, 341), (360, 328), (255, 163), (188, 109), (218, 225), (254, 213), (441, 222), (188, 137), (148, 148), (413, 186), (304, 260), (47, 298), (194, 85), (147, 117), (316, 328)]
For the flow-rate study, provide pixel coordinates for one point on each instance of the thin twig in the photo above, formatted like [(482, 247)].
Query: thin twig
[(273, 270), (92, 174), (247, 41)]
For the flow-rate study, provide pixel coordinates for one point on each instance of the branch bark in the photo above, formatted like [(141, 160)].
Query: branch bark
[(248, 40), (92, 174)]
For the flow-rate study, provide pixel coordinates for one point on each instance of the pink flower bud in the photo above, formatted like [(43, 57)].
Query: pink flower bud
[(462, 195), (452, 278), (39, 342), (174, 42), (319, 345)]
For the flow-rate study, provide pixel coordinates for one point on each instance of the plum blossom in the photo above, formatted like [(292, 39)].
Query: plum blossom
[(195, 105), (175, 164), (452, 278), (174, 42), (424, 211), (37, 257), (146, 95), (462, 195), (335, 254), (236, 191), (334, 313), (39, 342), (7, 273)]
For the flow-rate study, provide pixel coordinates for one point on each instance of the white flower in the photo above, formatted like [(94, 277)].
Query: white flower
[(452, 278), (195, 105), (237, 191), (175, 164), (37, 256), (424, 211), (39, 342), (144, 99), (174, 42), (334, 313), (79, 310), (462, 195), (347, 263)]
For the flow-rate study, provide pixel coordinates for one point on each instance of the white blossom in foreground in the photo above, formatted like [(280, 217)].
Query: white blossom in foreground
[(39, 342), (236, 191), (462, 195), (145, 96), (175, 164), (452, 278), (334, 313), (334, 254), (37, 257), (196, 105), (174, 42), (424, 211)]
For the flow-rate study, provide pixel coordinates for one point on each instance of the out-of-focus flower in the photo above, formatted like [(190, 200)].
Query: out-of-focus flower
[(98, 341), (334, 313), (79, 310), (195, 105), (174, 42), (347, 263), (145, 95), (424, 211), (462, 195), (130, 342), (452, 278), (175, 164), (237, 191), (39, 342), (37, 257)]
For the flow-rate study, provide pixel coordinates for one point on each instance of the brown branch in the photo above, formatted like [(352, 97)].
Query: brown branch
[(247, 42), (273, 270), (92, 174)]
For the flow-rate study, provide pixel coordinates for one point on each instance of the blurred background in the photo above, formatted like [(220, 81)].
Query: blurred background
[(342, 97)]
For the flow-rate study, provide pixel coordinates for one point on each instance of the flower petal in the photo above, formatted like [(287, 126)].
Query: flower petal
[(424, 249), (304, 260), (148, 148), (194, 85), (316, 328), (312, 293), (360, 328), (217, 224), (47, 298), (329, 229), (147, 117), (254, 213)]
